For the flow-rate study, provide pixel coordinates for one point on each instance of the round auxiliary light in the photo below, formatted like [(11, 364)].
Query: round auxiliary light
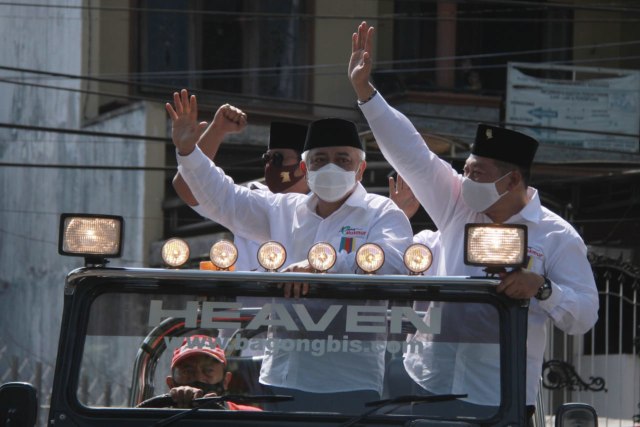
[(175, 252), (271, 255), (370, 257), (223, 254), (418, 258), (322, 256)]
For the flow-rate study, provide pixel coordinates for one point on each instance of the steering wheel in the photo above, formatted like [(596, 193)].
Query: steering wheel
[(160, 401)]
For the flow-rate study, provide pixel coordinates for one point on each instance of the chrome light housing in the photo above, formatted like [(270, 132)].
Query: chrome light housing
[(95, 237), (418, 258), (175, 252), (272, 255), (223, 254), (321, 257), (495, 246), (370, 257)]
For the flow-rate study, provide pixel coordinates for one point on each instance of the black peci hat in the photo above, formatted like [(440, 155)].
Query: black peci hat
[(287, 135), (332, 133), (505, 145)]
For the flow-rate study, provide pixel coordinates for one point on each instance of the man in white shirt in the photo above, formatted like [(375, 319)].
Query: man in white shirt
[(282, 173), (493, 189), (338, 211)]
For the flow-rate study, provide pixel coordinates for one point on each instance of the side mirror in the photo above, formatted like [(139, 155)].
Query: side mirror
[(576, 415), (18, 405)]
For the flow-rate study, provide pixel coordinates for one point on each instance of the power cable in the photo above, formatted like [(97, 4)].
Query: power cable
[(90, 167), (168, 88), (83, 132), (400, 18), (340, 67), (173, 169), (248, 15), (569, 6), (415, 115)]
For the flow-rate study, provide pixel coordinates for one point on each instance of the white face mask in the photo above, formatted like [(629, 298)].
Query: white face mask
[(480, 196), (331, 183)]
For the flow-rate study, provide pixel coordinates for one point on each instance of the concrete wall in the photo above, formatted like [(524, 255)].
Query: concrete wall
[(35, 189), (332, 46)]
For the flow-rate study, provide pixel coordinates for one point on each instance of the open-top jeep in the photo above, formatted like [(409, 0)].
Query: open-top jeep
[(120, 327)]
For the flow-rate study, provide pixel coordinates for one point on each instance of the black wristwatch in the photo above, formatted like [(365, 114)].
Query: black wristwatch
[(545, 290)]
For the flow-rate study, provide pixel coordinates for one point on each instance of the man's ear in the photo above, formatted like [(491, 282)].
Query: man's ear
[(299, 171), (170, 382), (305, 171), (226, 380), (515, 179), (361, 168)]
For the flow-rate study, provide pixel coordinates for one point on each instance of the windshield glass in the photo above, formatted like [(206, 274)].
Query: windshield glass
[(330, 354)]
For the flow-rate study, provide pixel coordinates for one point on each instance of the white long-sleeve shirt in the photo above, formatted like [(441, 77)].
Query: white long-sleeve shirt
[(291, 219), (247, 249), (555, 248)]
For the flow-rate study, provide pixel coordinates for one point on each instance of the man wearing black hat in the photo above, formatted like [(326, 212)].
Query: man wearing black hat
[(282, 173), (338, 211), (493, 189)]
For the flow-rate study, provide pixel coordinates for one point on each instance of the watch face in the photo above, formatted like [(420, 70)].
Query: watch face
[(545, 290)]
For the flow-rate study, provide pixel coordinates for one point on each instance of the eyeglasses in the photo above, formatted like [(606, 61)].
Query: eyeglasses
[(275, 158)]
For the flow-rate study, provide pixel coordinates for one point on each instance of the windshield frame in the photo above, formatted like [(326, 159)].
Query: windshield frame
[(85, 285)]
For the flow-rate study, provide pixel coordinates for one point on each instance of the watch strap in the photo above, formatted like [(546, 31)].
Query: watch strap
[(544, 292)]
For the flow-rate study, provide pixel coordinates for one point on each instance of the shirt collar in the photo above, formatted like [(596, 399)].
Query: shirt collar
[(356, 199), (532, 211)]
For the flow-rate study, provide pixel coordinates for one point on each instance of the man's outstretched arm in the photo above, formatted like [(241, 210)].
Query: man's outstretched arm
[(186, 129)]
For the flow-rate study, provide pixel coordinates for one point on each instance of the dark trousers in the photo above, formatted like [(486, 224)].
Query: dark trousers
[(531, 410)]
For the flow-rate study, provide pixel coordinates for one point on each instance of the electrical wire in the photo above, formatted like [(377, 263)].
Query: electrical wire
[(90, 167), (110, 78), (413, 115), (399, 18), (168, 88), (138, 137), (565, 6), (173, 169), (83, 132), (284, 15)]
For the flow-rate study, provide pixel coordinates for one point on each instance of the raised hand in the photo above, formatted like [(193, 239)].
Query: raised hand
[(360, 63), (229, 119), (402, 195), (185, 129)]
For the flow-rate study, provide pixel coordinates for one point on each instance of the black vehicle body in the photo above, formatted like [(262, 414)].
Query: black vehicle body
[(84, 286)]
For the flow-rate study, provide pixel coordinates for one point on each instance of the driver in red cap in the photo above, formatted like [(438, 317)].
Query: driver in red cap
[(198, 369)]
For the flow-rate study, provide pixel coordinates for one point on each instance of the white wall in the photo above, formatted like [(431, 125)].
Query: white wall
[(621, 373), (32, 273)]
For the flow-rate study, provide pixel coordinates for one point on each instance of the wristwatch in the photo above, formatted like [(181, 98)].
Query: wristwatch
[(545, 290)]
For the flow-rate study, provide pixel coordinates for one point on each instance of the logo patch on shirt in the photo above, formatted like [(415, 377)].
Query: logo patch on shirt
[(535, 259), (346, 244), (349, 236), (348, 231)]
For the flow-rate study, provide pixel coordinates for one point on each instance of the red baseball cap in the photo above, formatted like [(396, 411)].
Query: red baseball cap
[(198, 344)]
